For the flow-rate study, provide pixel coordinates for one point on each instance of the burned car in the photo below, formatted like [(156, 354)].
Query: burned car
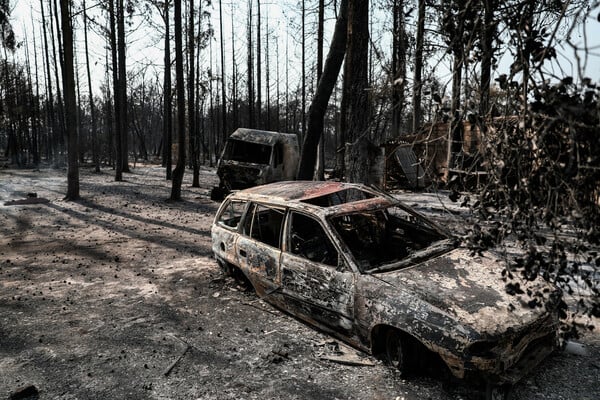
[(254, 157), (362, 266)]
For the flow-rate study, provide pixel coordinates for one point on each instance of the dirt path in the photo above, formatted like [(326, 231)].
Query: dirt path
[(117, 297)]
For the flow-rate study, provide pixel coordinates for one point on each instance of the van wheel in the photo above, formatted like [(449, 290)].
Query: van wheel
[(218, 193)]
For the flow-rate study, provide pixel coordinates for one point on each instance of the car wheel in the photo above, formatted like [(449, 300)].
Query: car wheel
[(238, 276), (242, 282), (497, 392), (395, 351)]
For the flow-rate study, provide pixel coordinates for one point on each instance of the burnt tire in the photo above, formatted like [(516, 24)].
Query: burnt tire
[(238, 276), (218, 193), (497, 392), (396, 354)]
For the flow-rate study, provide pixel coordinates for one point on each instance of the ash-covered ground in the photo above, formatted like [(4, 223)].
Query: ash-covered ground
[(117, 296)]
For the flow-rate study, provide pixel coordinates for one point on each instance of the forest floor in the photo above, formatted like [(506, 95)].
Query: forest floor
[(117, 296)]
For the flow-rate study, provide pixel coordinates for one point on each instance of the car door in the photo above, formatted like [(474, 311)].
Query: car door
[(258, 247), (314, 279)]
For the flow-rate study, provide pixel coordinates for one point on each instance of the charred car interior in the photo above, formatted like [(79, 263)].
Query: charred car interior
[(366, 268), (385, 237), (248, 152)]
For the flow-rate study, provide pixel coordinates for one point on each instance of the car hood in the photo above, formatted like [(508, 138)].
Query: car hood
[(471, 289)]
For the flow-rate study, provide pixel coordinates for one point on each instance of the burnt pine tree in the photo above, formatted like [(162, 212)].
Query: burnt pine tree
[(223, 86), (53, 144), (180, 167), (418, 82), (167, 99), (122, 93), (60, 134), (318, 107), (357, 115), (116, 93), (95, 150), (191, 104), (70, 106), (259, 122), (250, 70), (320, 31)]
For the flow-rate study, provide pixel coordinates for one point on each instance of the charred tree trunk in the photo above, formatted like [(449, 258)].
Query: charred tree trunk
[(259, 122), (487, 54), (60, 137), (108, 110), (69, 91), (320, 29), (116, 94), (80, 134), (36, 107), (95, 154), (180, 167), (168, 107), (418, 83), (250, 69), (287, 84), (52, 143), (318, 107), (191, 103), (356, 159), (223, 98), (234, 79), (122, 85), (455, 133), (198, 110), (267, 124), (303, 104), (277, 91), (399, 50)]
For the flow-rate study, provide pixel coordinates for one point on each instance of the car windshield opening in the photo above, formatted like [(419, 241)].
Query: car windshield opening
[(239, 150), (387, 237)]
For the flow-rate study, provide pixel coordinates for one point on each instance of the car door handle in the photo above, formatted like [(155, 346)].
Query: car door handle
[(243, 253)]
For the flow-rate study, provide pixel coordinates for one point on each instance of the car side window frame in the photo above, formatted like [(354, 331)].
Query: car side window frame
[(287, 247), (226, 209), (247, 228)]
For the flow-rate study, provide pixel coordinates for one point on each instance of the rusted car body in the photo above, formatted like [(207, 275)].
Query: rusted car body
[(254, 157), (366, 268)]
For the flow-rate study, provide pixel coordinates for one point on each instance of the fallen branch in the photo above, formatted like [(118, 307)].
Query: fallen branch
[(261, 309), (168, 370), (349, 360)]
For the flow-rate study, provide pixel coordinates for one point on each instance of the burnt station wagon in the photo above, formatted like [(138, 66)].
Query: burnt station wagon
[(368, 269)]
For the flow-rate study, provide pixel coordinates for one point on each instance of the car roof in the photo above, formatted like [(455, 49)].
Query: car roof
[(305, 194)]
